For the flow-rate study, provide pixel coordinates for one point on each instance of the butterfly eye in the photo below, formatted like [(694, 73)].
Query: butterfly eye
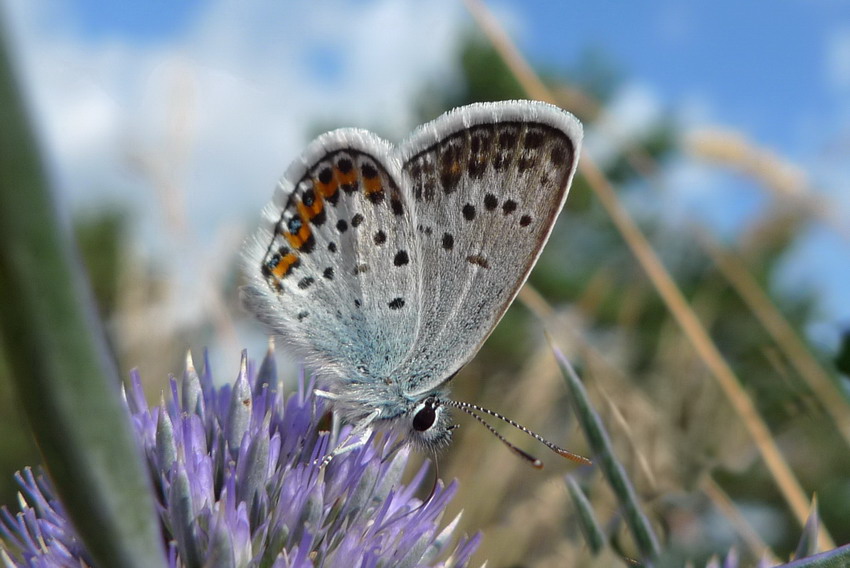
[(424, 417)]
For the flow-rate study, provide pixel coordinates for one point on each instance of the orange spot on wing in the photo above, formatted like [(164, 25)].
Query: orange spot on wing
[(284, 265), (325, 189), (304, 213), (346, 178), (304, 233), (294, 240), (372, 185), (309, 212)]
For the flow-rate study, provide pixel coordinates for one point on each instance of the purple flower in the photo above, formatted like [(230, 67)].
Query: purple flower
[(236, 481)]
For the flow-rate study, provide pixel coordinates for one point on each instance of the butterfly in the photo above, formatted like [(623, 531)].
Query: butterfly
[(386, 267)]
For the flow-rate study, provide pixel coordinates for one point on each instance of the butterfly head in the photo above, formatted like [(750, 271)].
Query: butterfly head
[(422, 420), (429, 424)]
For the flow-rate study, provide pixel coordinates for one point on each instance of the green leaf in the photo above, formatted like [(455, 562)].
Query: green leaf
[(57, 355), (593, 535), (603, 456)]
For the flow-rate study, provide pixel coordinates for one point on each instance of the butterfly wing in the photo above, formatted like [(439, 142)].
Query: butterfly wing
[(331, 269), (377, 263), (487, 182)]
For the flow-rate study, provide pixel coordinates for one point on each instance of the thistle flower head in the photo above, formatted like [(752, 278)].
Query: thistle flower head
[(236, 481)]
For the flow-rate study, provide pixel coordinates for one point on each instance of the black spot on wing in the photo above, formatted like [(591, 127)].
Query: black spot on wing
[(448, 241), (369, 171), (345, 165), (401, 258), (468, 212)]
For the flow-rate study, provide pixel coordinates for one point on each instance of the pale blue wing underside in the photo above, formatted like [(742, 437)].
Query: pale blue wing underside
[(333, 269), (488, 182), (394, 264)]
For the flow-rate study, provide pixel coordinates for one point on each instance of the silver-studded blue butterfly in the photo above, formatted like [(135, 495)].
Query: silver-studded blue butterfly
[(386, 267)]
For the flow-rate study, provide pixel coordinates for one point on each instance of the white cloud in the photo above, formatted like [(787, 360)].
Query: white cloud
[(838, 60), (818, 265), (224, 107), (219, 111), (632, 114), (675, 23)]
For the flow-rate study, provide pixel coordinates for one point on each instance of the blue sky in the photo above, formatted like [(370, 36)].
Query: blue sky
[(764, 66), (139, 22), (217, 98), (756, 61)]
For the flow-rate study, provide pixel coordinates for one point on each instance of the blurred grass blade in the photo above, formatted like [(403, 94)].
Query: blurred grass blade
[(758, 547), (808, 544), (593, 535), (664, 284), (836, 558), (603, 456), (737, 273), (58, 357)]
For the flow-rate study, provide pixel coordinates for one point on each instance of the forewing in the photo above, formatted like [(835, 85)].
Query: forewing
[(331, 269), (488, 182)]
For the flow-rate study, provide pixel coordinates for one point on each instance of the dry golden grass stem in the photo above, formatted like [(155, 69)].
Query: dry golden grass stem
[(163, 172), (672, 296), (743, 528), (730, 148), (597, 365), (621, 422), (475, 457), (736, 272), (703, 344), (503, 45), (585, 105), (786, 181), (497, 487), (540, 515)]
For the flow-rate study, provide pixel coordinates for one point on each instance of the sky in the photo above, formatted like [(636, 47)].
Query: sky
[(187, 112)]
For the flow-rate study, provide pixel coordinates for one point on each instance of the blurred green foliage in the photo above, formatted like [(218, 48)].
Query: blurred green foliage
[(587, 269), (17, 447), (102, 238), (842, 359), (587, 266)]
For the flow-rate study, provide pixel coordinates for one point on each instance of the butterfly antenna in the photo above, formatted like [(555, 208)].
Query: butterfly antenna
[(535, 463), (471, 408), (392, 451)]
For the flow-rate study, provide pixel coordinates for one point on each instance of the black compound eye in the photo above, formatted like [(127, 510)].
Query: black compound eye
[(424, 417)]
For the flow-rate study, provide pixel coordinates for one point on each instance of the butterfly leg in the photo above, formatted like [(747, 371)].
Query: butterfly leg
[(361, 431), (325, 394)]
